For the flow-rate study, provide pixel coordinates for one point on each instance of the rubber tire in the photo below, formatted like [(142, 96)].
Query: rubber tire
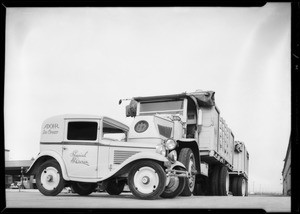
[(82, 188), (161, 176), (168, 194), (115, 187), (246, 188), (202, 185), (223, 174), (214, 185), (234, 186), (61, 184), (239, 186), (184, 158)]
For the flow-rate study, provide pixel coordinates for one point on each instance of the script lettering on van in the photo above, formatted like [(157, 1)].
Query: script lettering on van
[(79, 158), (51, 128)]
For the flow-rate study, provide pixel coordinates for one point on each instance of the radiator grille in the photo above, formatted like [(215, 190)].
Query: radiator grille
[(165, 131), (120, 156)]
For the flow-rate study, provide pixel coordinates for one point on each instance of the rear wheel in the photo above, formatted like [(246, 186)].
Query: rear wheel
[(223, 181), (83, 188), (234, 186), (146, 180), (187, 158), (241, 186), (246, 193), (115, 187), (49, 178), (201, 186), (214, 185)]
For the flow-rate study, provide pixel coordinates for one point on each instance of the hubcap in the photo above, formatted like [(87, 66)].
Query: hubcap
[(146, 180), (50, 178)]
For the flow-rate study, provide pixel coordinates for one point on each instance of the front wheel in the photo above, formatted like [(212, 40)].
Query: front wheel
[(49, 178), (187, 158), (174, 188), (146, 180), (83, 188)]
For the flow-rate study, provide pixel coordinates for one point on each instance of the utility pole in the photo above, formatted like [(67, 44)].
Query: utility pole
[(22, 185), (260, 190)]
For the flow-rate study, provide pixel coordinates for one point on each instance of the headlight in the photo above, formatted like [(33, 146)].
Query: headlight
[(172, 156), (170, 144), (161, 149)]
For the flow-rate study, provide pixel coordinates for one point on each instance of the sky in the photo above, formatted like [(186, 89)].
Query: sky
[(83, 60)]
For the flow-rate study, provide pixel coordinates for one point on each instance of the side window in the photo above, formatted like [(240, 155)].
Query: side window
[(112, 133), (82, 131)]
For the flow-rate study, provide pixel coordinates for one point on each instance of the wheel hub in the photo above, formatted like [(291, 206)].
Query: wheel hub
[(145, 180), (49, 178)]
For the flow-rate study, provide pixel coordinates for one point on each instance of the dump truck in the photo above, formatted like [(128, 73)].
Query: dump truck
[(216, 162)]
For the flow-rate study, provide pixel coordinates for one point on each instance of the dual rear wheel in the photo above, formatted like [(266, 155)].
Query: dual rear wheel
[(219, 182), (239, 186)]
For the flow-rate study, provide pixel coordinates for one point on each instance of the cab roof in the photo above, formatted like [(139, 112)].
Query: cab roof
[(204, 98)]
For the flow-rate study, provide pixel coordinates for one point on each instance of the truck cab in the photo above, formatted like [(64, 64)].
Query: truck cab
[(182, 118)]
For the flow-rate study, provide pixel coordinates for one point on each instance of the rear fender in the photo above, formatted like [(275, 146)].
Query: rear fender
[(44, 156)]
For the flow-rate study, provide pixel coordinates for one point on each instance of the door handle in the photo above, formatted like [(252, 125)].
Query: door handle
[(64, 148)]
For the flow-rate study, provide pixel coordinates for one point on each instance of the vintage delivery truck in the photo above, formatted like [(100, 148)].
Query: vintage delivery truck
[(85, 151), (218, 164)]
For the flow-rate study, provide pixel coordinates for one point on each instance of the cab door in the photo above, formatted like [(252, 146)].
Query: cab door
[(80, 147)]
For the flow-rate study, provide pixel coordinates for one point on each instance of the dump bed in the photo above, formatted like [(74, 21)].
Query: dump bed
[(240, 159), (216, 140)]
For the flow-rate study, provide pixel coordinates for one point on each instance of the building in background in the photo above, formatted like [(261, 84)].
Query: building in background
[(6, 154), (15, 171), (286, 172)]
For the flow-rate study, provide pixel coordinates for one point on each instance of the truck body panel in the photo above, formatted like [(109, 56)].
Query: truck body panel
[(241, 159), (215, 135)]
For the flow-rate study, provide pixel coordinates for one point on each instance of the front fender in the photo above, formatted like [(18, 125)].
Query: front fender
[(44, 156), (177, 163)]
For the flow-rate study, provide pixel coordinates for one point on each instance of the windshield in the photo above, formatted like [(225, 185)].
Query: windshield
[(111, 132), (166, 107)]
